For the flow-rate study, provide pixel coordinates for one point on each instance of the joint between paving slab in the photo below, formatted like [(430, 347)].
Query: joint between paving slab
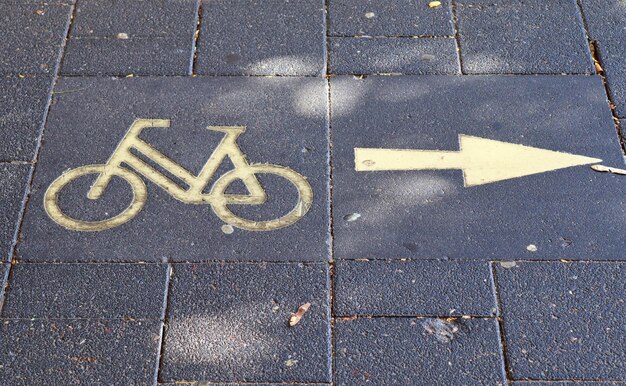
[(160, 351), (5, 280), (5, 286), (331, 249), (326, 75), (141, 75), (67, 38), (331, 322), (505, 363), (466, 75), (393, 36), (196, 39), (20, 262), (125, 319), (560, 380), (26, 198), (16, 260), (423, 316), (236, 383), (478, 259), (593, 47), (455, 24)]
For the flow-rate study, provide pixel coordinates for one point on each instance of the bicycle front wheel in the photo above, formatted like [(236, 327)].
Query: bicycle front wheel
[(51, 203), (220, 206)]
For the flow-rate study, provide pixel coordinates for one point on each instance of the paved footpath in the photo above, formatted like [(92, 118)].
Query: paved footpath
[(348, 192)]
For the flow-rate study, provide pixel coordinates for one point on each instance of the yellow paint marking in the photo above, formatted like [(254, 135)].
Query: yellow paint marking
[(217, 197), (483, 161)]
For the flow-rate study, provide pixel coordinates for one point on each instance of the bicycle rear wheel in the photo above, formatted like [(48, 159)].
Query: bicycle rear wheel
[(220, 206)]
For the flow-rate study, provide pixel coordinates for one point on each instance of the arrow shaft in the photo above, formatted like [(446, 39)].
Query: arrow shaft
[(368, 159)]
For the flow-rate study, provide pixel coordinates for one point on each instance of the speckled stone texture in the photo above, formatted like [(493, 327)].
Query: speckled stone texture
[(389, 18), (23, 105), (429, 214), (412, 288), (605, 23), (64, 352), (229, 322), (132, 291), (564, 320), (270, 37), (410, 351), (522, 37), (286, 124), (32, 37), (393, 55), (13, 180), (138, 37)]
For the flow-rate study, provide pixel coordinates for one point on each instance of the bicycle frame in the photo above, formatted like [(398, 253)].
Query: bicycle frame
[(193, 195)]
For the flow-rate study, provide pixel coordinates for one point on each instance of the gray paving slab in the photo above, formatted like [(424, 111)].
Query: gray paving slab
[(523, 37), (132, 37), (33, 36), (271, 37), (605, 18), (229, 323), (564, 320), (136, 18), (13, 180), (23, 105), (64, 352), (104, 291), (413, 288), (286, 123), (569, 213), (393, 55), (389, 18), (409, 351), (119, 57)]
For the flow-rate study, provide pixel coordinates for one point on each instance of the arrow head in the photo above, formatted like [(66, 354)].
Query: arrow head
[(486, 160)]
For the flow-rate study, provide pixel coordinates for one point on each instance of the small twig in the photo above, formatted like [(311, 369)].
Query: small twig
[(606, 169)]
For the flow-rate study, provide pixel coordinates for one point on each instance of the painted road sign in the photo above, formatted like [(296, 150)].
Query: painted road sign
[(216, 197), (483, 161), (416, 205), (197, 220)]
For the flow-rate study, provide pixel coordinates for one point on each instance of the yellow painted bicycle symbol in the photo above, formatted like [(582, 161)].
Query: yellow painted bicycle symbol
[(216, 197)]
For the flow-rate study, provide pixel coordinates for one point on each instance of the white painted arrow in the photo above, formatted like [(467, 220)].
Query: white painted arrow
[(483, 161)]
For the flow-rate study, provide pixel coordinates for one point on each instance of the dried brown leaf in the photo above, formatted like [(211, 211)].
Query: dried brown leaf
[(599, 69), (295, 318)]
